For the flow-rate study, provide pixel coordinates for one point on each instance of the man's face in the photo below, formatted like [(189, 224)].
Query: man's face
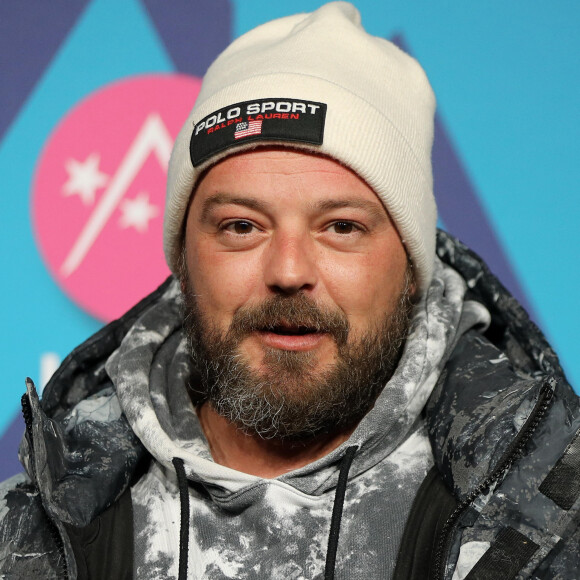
[(298, 278)]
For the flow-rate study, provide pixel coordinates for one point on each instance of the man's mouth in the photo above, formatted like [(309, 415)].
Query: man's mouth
[(291, 336), (291, 330)]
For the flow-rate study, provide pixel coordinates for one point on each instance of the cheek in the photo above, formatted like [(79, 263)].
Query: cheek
[(223, 281), (365, 285)]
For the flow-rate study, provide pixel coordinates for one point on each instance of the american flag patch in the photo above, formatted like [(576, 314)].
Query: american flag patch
[(269, 119), (248, 128)]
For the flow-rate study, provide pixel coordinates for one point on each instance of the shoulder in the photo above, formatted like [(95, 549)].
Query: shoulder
[(27, 545)]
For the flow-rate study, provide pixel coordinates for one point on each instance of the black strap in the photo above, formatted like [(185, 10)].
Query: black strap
[(433, 504), (337, 512), (562, 484), (184, 525), (510, 552)]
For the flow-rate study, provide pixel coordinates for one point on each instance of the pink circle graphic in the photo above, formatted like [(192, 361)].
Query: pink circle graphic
[(99, 191)]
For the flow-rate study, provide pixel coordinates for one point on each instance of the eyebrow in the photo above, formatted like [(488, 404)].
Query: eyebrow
[(226, 199), (377, 210)]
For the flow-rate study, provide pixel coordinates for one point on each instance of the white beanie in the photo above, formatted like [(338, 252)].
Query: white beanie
[(317, 82)]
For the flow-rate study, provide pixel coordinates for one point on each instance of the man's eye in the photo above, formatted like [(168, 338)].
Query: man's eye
[(343, 227), (240, 227)]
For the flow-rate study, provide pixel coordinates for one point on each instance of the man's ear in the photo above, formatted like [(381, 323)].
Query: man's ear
[(411, 282), (182, 266)]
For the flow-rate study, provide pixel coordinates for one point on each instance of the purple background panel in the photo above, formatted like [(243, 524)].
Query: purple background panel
[(194, 32), (463, 215), (9, 442), (26, 49)]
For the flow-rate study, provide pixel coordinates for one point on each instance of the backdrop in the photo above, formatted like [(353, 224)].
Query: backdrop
[(93, 92)]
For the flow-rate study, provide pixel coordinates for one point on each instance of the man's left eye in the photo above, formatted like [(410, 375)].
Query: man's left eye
[(343, 227), (240, 227)]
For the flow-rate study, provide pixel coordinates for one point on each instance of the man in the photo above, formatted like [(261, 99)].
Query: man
[(320, 391)]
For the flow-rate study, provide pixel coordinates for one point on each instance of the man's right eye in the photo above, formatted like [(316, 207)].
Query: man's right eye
[(240, 227)]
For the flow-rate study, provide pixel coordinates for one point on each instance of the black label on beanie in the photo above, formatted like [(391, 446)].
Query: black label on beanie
[(259, 120)]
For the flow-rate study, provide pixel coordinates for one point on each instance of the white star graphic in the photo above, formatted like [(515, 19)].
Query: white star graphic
[(84, 178), (137, 212)]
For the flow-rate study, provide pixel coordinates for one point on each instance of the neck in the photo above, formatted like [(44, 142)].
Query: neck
[(266, 458)]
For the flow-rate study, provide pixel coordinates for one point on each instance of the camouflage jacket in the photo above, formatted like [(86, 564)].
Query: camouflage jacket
[(502, 502)]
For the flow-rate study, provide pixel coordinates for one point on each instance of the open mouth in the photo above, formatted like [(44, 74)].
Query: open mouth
[(291, 330), (297, 337)]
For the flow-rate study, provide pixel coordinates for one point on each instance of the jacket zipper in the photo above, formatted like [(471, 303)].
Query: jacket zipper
[(515, 450), (54, 531)]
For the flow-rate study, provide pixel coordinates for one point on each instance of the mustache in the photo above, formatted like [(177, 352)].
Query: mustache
[(298, 312)]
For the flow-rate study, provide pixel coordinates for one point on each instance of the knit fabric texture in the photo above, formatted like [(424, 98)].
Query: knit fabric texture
[(379, 116)]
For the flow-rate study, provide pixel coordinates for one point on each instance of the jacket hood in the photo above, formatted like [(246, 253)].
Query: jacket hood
[(505, 368)]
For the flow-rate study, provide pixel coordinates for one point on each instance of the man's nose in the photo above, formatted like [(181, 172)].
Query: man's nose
[(290, 264)]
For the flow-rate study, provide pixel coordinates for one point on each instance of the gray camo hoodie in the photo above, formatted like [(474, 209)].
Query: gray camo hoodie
[(243, 526)]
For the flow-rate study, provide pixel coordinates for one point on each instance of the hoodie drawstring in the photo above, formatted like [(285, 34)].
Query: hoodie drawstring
[(345, 464), (337, 512), (184, 524)]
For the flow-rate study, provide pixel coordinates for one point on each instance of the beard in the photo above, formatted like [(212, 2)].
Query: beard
[(288, 398)]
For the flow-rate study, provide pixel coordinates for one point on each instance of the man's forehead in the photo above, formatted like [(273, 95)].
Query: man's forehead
[(256, 178)]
